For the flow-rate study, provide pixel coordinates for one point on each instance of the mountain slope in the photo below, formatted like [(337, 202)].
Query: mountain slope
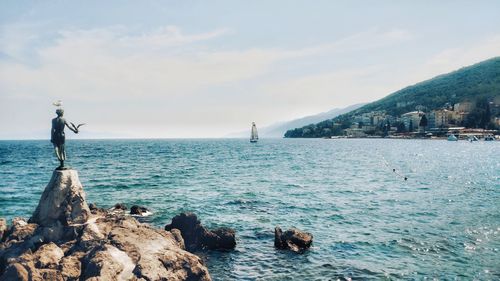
[(277, 130), (478, 81), (468, 83)]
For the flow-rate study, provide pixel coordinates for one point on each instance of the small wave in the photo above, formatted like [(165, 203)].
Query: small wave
[(241, 202), (145, 214)]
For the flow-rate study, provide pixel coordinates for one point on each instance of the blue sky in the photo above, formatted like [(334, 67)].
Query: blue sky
[(209, 68)]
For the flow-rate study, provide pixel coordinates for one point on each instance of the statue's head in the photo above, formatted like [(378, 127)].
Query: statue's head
[(60, 112)]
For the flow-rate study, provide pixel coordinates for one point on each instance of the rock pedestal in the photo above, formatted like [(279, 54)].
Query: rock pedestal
[(62, 201)]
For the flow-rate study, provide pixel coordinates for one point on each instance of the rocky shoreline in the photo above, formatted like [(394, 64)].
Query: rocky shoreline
[(65, 239)]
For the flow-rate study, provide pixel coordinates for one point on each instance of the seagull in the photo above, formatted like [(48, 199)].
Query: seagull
[(76, 127), (58, 103)]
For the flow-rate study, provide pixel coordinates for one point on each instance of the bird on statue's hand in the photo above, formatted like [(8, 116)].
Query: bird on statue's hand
[(76, 127)]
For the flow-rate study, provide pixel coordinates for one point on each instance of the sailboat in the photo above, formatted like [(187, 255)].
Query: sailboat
[(254, 137)]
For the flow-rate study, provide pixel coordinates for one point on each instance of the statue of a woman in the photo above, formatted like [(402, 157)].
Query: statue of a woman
[(57, 136)]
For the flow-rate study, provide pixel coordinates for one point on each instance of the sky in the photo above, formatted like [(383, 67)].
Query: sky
[(204, 69)]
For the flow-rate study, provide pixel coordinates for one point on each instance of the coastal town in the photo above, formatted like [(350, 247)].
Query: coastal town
[(478, 119), (451, 119)]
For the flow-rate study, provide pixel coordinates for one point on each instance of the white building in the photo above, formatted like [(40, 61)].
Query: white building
[(412, 117)]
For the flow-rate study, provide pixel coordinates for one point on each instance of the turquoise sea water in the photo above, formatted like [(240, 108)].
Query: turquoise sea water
[(367, 222)]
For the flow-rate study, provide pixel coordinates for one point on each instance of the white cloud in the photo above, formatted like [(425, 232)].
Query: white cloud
[(172, 79), (105, 63)]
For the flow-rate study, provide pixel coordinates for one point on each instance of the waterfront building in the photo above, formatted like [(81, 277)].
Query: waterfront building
[(412, 117), (440, 117)]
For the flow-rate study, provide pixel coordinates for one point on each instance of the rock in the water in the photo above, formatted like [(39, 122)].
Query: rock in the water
[(138, 210), (92, 206), (221, 238), (120, 206), (196, 236), (292, 239), (62, 200)]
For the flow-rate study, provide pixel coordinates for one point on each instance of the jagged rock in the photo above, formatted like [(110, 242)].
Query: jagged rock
[(191, 230), (107, 246), (178, 237), (3, 228), (102, 264), (70, 267), (92, 207), (196, 236), (292, 239), (62, 200), (48, 256), (20, 229), (220, 238), (138, 210)]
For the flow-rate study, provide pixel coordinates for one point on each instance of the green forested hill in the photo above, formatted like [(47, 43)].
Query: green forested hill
[(478, 81)]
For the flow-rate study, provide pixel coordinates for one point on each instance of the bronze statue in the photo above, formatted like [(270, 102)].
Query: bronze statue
[(57, 136)]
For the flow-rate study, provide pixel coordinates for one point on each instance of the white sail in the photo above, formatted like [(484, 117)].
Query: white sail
[(254, 136)]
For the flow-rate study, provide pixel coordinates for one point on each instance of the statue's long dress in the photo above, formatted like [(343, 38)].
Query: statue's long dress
[(58, 137)]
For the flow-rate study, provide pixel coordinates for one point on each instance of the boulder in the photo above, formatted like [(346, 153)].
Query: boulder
[(20, 230), (102, 264), (197, 237), (220, 238), (138, 210), (48, 256), (120, 206), (292, 239), (70, 267), (63, 200)]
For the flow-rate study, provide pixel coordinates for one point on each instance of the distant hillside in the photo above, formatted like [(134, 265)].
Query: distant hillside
[(478, 81), (278, 130)]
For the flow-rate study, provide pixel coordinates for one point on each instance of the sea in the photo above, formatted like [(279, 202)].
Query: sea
[(368, 222)]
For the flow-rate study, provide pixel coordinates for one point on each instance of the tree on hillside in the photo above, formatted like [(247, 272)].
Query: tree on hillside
[(423, 122), (480, 116)]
